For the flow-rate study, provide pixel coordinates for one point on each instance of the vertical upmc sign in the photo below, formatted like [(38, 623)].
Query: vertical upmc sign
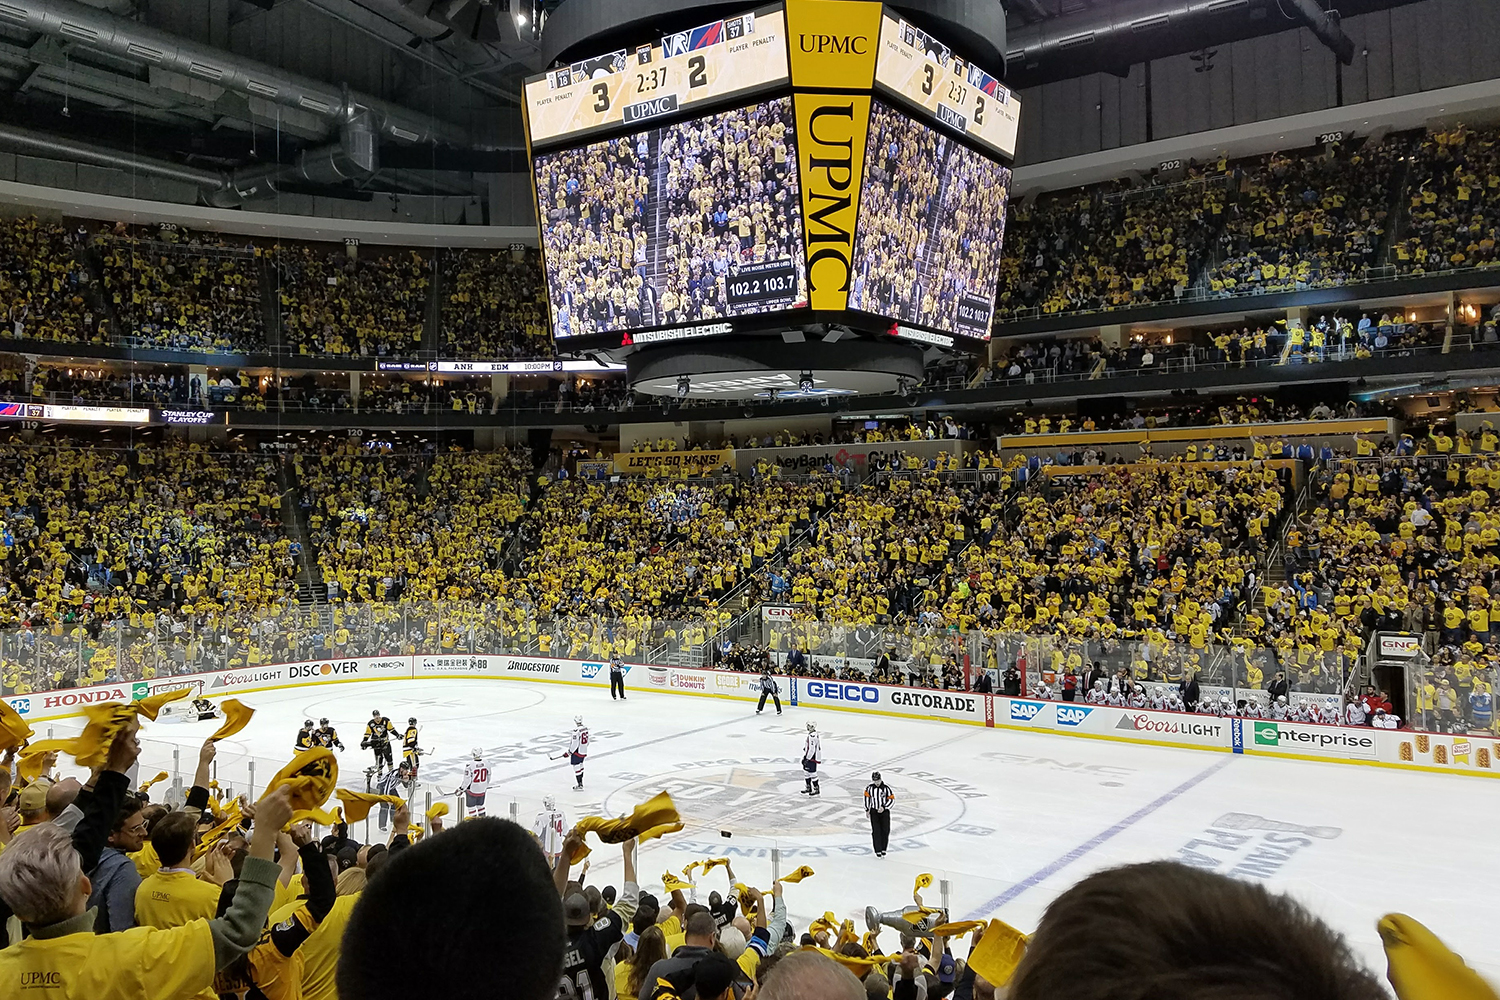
[(833, 44)]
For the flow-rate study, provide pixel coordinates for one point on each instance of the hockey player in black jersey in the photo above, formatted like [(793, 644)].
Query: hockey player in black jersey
[(327, 736)]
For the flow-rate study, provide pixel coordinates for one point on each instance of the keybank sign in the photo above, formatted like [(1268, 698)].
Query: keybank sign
[(833, 691)]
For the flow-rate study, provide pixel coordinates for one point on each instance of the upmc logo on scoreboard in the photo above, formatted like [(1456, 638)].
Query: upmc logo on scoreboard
[(834, 45)]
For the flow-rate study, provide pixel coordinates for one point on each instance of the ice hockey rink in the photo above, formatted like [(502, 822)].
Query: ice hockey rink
[(1010, 819)]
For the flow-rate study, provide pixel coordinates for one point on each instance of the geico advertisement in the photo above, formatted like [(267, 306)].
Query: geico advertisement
[(885, 698)]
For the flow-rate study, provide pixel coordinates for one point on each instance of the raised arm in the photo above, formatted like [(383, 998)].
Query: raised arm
[(236, 932), (565, 862)]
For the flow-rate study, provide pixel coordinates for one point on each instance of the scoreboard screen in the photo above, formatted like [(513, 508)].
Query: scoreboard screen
[(737, 55), (931, 223), (922, 70), (691, 222)]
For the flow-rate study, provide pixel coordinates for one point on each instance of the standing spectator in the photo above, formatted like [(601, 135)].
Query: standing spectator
[(115, 879)]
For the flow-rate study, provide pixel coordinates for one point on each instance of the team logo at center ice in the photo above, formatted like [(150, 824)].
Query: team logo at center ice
[(758, 797)]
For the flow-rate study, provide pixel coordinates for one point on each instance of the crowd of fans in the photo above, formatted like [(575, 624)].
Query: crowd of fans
[(46, 289), (119, 892), (1454, 202), (1309, 221), (492, 305), (650, 229), (183, 291), (370, 305), (927, 252)]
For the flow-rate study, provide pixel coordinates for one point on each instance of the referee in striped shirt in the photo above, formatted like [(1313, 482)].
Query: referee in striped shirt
[(878, 799)]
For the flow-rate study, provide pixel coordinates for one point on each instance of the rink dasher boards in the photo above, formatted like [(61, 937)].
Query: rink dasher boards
[(1400, 749)]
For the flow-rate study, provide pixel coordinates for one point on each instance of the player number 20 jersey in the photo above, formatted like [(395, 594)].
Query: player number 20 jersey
[(476, 777)]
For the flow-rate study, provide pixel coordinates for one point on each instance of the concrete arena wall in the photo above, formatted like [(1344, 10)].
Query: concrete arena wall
[(1432, 752)]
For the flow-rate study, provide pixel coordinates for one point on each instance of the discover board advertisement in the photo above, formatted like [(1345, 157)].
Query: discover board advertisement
[(1448, 753)]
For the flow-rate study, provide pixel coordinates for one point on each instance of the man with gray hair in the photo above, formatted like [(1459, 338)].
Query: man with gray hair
[(806, 974), (42, 882)]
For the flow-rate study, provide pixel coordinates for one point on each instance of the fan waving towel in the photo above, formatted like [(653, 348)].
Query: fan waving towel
[(655, 817)]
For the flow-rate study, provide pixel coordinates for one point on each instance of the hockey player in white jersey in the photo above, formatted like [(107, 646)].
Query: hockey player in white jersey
[(812, 753), (1329, 713), (578, 749), (476, 784), (549, 829), (1279, 710)]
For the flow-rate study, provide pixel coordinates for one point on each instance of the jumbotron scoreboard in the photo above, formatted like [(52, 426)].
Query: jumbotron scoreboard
[(806, 165)]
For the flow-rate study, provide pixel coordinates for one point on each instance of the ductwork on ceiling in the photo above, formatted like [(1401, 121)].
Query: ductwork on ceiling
[(1113, 37), (80, 24), (354, 157)]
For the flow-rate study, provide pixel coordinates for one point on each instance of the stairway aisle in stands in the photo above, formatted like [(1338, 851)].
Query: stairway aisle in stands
[(311, 590), (657, 220)]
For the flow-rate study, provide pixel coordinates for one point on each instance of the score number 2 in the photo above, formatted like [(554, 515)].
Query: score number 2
[(652, 80)]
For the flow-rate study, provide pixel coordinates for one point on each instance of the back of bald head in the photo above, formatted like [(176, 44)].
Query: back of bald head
[(61, 795), (808, 975)]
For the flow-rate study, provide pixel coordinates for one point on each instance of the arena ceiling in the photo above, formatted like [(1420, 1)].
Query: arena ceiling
[(417, 96)]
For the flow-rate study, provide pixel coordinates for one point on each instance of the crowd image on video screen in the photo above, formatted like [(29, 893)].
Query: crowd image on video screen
[(931, 221), (695, 221)]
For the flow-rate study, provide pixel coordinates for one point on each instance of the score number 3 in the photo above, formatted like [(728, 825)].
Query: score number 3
[(697, 77)]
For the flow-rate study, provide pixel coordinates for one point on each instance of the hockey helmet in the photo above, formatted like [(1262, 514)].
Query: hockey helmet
[(412, 721), (478, 753), (375, 714), (812, 727), (577, 720), (307, 723), (322, 722), (549, 803)]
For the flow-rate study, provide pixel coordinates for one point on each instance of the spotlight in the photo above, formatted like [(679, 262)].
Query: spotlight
[(806, 384), (684, 386)]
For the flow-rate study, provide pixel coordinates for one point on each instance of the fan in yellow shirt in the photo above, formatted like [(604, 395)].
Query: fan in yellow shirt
[(64, 960)]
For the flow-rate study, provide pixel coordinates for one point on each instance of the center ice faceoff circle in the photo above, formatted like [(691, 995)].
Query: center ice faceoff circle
[(759, 797)]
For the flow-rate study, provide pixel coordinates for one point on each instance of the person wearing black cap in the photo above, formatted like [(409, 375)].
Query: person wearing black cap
[(591, 942), (878, 799)]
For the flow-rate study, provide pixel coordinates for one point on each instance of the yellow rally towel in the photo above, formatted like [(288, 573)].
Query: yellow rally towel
[(712, 863), (798, 875), (689, 868), (357, 805), (867, 941), (29, 766), (152, 705), (1421, 967), (318, 816), (998, 952), (671, 883), (91, 747), (232, 819), (236, 717), (312, 775), (923, 881), (858, 966), (847, 933), (653, 818), (438, 809), (826, 922), (13, 729), (146, 785), (916, 914), (957, 927)]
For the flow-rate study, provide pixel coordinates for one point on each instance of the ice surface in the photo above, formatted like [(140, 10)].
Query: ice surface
[(1008, 818)]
